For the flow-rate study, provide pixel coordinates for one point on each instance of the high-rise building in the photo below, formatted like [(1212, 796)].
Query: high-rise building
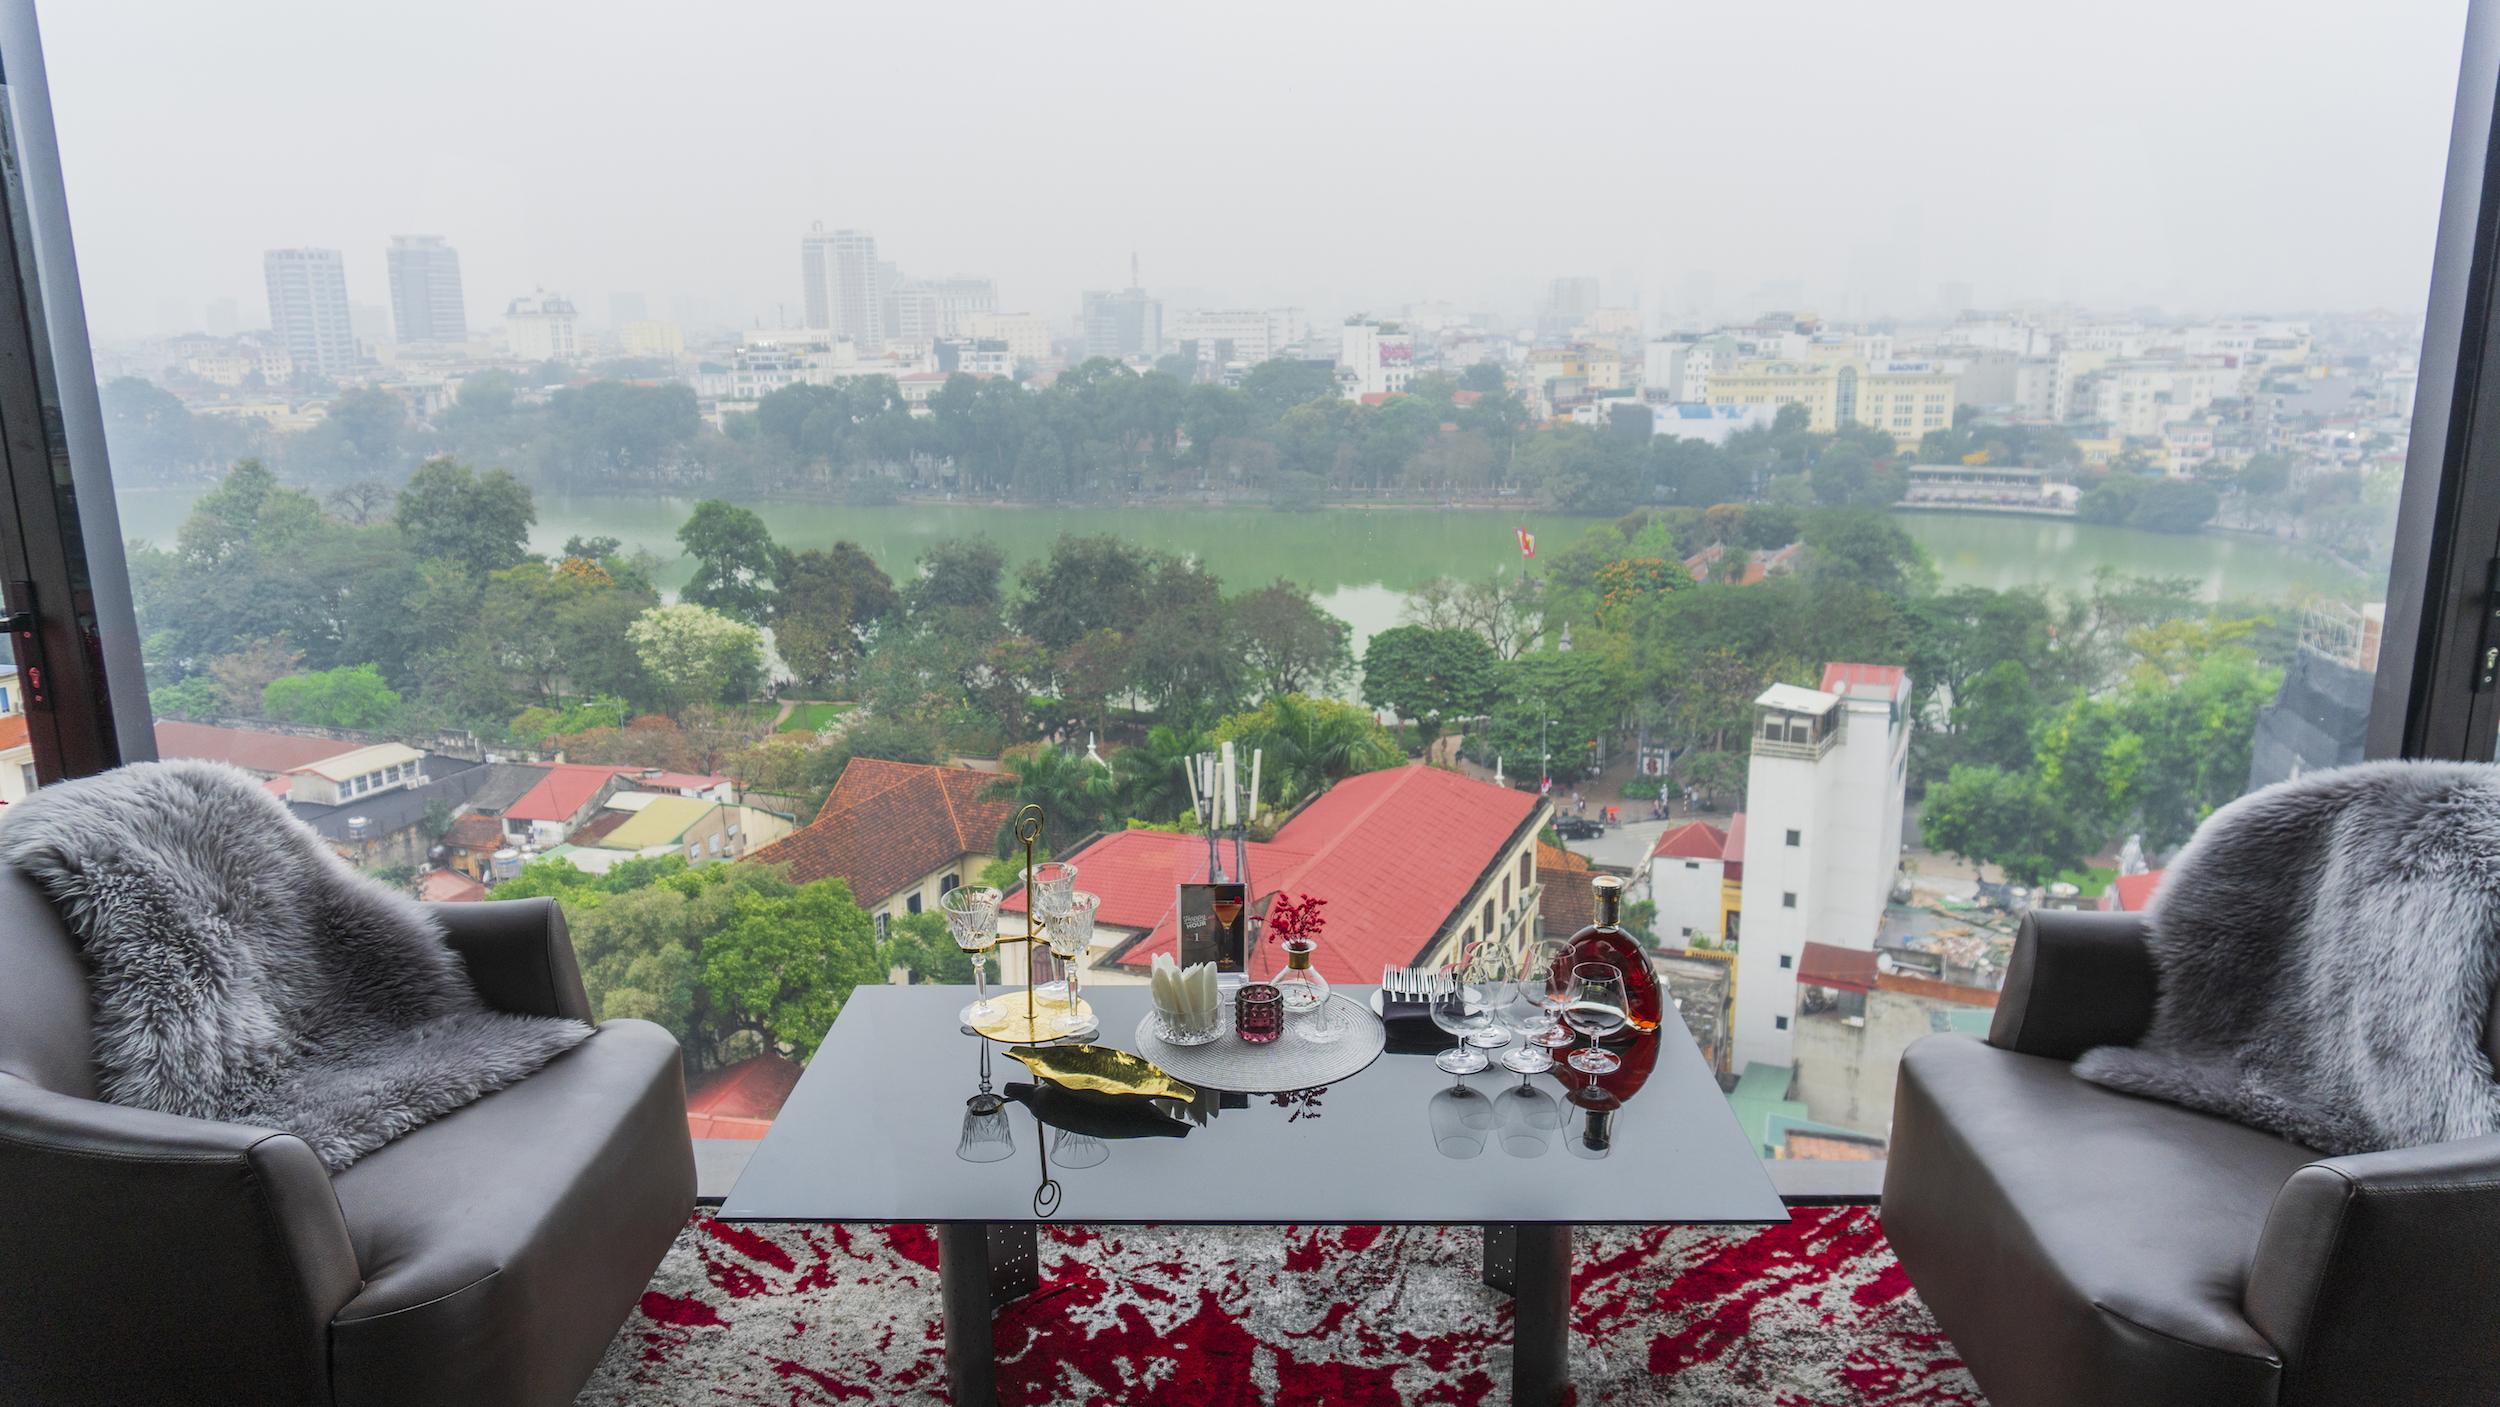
[(542, 327), (1027, 335), (1218, 337), (843, 284), (426, 303), (927, 309), (1823, 798), (1126, 325), (308, 308), (1374, 358)]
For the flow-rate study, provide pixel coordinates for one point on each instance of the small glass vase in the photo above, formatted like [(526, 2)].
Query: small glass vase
[(1305, 994)]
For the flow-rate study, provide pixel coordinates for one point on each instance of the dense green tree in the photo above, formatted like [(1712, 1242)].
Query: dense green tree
[(1990, 816), (1563, 702), (828, 608), (736, 562), (959, 573), (351, 696), (1086, 584), (1430, 676), (481, 521), (1077, 794), (920, 945)]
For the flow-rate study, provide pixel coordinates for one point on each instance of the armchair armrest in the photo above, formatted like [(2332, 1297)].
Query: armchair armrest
[(2373, 1269), (519, 954), (148, 1250), (2077, 980)]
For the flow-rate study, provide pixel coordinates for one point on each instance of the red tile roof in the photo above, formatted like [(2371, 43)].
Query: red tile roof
[(2132, 893), (887, 824), (1838, 677), (449, 887), (1693, 840), (1393, 852), (1554, 857), (1849, 969), (739, 1101), (12, 732), (249, 750), (563, 792), (1734, 854)]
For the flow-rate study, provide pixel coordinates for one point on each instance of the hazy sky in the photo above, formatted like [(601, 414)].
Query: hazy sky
[(2248, 155)]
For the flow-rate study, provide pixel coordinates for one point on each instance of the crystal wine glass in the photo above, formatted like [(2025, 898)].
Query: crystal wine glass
[(1554, 972), (987, 1136), (1489, 973), (1597, 1009), (1523, 1011), (972, 921), (1071, 936), (1456, 1010), (1052, 890)]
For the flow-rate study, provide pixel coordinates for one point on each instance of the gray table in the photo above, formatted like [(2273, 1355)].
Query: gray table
[(873, 1132)]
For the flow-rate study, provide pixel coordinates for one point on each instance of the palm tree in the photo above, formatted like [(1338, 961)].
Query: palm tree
[(1074, 791), (1153, 776), (1310, 743)]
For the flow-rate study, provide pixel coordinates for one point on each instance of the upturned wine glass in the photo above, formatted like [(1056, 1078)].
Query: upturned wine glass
[(1597, 1009), (1456, 1010), (972, 921), (1529, 1118), (1460, 1117)]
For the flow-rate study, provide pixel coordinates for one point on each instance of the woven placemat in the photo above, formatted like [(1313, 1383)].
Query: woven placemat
[(1288, 1063)]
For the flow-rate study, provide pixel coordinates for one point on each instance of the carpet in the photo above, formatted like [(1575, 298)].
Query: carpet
[(1812, 1313)]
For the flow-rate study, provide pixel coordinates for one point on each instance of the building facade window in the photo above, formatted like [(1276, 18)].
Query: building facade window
[(1795, 839), (912, 904), (1788, 901)]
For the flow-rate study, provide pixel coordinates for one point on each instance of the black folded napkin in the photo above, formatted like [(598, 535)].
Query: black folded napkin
[(1409, 1023)]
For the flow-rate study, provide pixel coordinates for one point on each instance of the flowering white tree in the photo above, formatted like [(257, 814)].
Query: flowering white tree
[(697, 655)]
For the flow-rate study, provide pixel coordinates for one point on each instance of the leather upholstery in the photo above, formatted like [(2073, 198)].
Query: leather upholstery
[(484, 1259), (2079, 1246), (2375, 1274), (2082, 1246), (519, 955), (504, 1242), (2096, 976)]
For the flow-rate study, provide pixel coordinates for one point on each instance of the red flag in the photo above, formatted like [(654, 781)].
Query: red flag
[(1527, 543)]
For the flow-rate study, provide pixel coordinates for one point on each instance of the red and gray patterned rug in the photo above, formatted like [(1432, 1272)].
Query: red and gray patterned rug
[(1815, 1312)]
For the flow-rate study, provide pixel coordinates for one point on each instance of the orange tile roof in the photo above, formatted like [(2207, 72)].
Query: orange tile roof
[(1554, 857), (252, 751), (889, 823), (563, 792), (1839, 677), (12, 732), (449, 887), (1693, 840), (1393, 852)]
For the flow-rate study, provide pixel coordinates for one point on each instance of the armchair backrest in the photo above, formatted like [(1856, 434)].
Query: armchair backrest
[(47, 1030)]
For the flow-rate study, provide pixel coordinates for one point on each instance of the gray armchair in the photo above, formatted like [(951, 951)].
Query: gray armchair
[(2082, 1246), (482, 1260)]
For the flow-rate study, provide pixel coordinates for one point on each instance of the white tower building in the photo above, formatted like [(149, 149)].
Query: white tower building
[(1823, 800)]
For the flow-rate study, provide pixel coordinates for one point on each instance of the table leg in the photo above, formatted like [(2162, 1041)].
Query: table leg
[(1501, 1257), (1540, 1324), (981, 1266)]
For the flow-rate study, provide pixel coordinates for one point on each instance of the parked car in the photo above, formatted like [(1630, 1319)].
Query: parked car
[(1577, 828)]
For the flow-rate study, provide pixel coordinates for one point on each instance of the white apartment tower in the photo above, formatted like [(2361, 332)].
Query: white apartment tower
[(844, 285), (1823, 800), (426, 303), (308, 308), (543, 327), (1374, 359)]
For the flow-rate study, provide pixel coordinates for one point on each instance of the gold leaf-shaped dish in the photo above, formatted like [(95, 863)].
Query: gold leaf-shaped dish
[(1099, 1069)]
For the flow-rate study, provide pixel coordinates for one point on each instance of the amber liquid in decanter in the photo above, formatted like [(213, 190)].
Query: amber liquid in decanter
[(1605, 941)]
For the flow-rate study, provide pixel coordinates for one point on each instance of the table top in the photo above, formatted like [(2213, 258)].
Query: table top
[(878, 1131)]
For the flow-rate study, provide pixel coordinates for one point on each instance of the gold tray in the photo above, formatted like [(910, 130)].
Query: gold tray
[(1099, 1069), (1015, 1028)]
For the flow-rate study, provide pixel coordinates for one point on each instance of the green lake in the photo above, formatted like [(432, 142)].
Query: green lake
[(1361, 562)]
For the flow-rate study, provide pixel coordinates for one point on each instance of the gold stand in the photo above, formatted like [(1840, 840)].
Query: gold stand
[(1029, 1027)]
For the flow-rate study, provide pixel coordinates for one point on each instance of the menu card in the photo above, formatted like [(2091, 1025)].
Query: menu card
[(1215, 925)]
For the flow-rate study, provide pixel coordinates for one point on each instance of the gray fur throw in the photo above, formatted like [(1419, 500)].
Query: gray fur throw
[(241, 971), (2326, 950)]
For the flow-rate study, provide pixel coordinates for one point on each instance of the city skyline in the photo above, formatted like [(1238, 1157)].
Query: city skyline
[(1389, 162)]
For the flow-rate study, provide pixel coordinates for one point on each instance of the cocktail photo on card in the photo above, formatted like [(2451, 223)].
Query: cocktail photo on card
[(1214, 925)]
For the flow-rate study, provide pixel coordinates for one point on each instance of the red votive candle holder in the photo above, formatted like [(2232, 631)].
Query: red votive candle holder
[(1259, 1012)]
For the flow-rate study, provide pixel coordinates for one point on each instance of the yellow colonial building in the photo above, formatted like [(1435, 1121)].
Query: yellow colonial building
[(1905, 399)]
